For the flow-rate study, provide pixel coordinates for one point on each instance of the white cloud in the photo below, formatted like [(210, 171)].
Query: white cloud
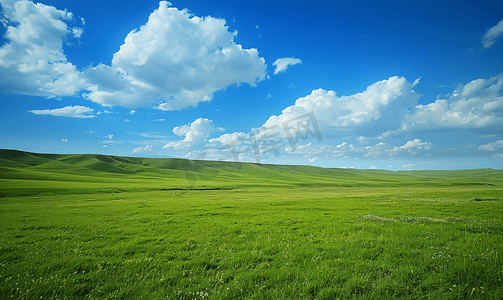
[(487, 147), (64, 140), (375, 108), (374, 167), (67, 111), (415, 144), (77, 32), (491, 146), (230, 138), (33, 57), (143, 149), (110, 136), (410, 148), (104, 112), (492, 34), (126, 120), (174, 61), (283, 63), (478, 104), (195, 133), (372, 110), (132, 112), (159, 120)]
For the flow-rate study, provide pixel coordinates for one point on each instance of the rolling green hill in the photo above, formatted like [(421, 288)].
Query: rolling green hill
[(25, 173), (102, 227)]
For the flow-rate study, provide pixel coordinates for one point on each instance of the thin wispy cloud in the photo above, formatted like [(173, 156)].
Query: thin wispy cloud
[(76, 111), (143, 149), (492, 34)]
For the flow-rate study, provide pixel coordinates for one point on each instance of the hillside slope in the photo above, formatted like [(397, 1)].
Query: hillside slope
[(26, 173)]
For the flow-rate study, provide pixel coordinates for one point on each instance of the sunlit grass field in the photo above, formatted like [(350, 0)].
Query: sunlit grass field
[(103, 227)]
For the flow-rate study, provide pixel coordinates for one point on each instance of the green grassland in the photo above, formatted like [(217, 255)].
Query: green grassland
[(104, 227)]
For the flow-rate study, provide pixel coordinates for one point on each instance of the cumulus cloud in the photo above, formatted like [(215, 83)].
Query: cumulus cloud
[(491, 146), (385, 150), (415, 144), (67, 111), (324, 113), (375, 108), (283, 63), (492, 34), (33, 58), (143, 149), (229, 138), (478, 104), (174, 61), (132, 112), (195, 133)]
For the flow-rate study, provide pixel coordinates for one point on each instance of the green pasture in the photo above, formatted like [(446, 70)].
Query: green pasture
[(104, 227)]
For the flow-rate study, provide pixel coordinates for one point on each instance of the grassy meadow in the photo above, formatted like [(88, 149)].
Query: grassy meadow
[(105, 227)]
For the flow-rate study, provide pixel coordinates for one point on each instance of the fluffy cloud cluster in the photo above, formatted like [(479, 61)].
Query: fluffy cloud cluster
[(492, 34), (283, 63), (195, 134), (387, 104), (67, 111), (33, 62), (478, 104), (235, 138), (377, 107), (174, 61), (491, 146), (390, 107)]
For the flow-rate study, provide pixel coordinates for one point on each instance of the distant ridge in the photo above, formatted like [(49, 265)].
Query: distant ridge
[(35, 159), (107, 171)]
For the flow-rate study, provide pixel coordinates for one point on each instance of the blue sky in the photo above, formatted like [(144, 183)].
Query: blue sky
[(365, 84)]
